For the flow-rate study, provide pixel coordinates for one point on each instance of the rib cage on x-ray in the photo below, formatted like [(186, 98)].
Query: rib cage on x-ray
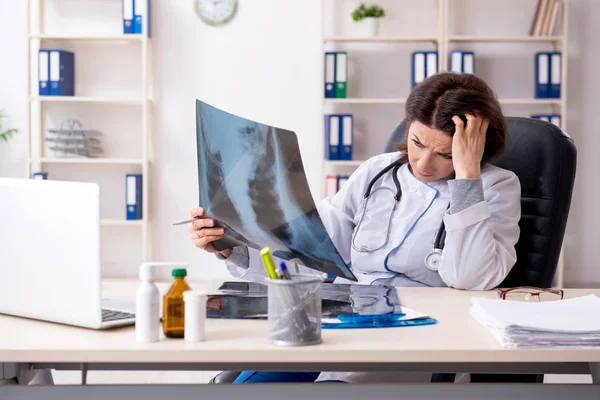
[(251, 180)]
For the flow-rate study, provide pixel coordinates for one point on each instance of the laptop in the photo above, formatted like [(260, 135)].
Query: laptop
[(50, 250)]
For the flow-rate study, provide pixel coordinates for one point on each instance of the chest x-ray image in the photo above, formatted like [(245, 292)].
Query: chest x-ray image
[(251, 180)]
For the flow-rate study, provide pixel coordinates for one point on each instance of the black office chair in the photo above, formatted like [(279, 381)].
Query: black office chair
[(544, 159)]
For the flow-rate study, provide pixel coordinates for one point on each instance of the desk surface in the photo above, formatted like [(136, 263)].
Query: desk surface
[(457, 338)]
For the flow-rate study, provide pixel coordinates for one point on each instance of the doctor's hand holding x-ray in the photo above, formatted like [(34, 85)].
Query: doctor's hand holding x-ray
[(203, 233)]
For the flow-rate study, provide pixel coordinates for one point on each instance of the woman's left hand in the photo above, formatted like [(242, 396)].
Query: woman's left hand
[(468, 145)]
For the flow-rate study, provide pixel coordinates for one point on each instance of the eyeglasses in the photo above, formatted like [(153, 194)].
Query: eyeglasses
[(530, 294)]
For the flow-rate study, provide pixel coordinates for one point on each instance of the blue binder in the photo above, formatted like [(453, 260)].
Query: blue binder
[(332, 136), (341, 181), (418, 67), (127, 8), (542, 75), (40, 176), (555, 75), (141, 10), (44, 73), (329, 70), (133, 196), (346, 136), (552, 118), (431, 63), (541, 117), (462, 61), (62, 73)]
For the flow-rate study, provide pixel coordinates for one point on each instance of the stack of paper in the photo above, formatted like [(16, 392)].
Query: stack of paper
[(565, 323)]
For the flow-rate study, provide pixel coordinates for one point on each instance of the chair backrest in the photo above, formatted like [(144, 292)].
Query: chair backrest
[(544, 159)]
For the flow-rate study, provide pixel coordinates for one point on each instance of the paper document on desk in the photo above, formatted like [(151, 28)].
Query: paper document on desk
[(565, 323), (251, 180)]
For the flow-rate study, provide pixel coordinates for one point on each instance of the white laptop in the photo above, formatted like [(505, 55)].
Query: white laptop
[(50, 254)]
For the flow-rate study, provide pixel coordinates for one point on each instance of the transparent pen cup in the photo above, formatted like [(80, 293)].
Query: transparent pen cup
[(295, 310)]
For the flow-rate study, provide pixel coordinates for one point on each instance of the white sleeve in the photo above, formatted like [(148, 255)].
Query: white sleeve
[(479, 250)]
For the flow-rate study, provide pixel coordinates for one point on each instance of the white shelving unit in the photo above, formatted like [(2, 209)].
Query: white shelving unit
[(442, 40), (141, 101)]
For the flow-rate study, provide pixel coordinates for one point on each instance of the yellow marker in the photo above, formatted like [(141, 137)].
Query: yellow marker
[(265, 256)]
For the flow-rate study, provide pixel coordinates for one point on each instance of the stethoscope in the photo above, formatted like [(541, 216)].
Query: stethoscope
[(433, 259)]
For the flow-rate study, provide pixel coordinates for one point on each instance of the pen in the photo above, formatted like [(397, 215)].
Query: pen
[(265, 256), (285, 272), (187, 221)]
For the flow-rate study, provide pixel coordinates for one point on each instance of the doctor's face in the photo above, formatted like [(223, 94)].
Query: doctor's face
[(429, 153)]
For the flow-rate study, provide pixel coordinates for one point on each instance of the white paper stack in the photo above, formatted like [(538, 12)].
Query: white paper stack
[(554, 324)]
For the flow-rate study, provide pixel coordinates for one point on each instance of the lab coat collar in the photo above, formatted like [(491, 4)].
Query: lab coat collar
[(440, 185)]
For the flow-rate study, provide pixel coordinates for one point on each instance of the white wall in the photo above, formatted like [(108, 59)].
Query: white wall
[(266, 65)]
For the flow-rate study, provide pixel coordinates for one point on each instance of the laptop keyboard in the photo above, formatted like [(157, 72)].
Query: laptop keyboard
[(112, 315)]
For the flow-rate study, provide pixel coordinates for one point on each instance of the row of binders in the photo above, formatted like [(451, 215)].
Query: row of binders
[(552, 118), (56, 73), (333, 183), (547, 75), (339, 136), (339, 133), (425, 64), (336, 74), (545, 19), (134, 12), (133, 194)]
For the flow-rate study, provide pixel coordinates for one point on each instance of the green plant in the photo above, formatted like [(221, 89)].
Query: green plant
[(9, 132), (363, 11)]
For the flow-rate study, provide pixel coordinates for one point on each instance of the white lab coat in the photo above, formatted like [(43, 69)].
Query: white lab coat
[(479, 248), (480, 241)]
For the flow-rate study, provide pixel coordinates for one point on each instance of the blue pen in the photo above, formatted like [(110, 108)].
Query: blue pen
[(285, 272)]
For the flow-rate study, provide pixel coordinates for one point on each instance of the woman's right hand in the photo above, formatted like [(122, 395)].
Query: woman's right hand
[(203, 233)]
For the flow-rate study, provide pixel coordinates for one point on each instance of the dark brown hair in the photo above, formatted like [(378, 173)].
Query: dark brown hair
[(440, 97)]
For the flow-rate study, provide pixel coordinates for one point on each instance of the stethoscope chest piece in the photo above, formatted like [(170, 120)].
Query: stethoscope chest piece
[(433, 259)]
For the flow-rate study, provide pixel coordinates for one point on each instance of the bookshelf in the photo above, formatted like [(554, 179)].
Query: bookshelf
[(438, 37), (122, 110)]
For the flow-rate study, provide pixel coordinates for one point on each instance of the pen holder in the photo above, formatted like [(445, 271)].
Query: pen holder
[(295, 310)]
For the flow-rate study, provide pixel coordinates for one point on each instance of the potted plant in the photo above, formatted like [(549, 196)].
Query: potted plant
[(368, 17), (5, 134)]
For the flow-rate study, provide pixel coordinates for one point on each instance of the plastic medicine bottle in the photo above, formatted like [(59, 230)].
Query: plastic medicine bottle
[(147, 314)]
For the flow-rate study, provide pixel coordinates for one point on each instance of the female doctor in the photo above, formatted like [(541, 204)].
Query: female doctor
[(435, 213)]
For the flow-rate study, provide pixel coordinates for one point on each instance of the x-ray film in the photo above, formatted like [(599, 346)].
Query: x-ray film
[(251, 180)]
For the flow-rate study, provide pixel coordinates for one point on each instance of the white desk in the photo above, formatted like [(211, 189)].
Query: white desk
[(457, 343)]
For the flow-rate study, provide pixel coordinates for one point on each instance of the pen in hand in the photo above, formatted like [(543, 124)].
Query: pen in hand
[(187, 221)]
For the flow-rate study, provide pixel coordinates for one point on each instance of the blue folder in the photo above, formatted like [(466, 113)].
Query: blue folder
[(346, 136), (133, 196), (127, 10), (542, 75), (44, 73), (329, 71), (554, 82), (62, 73), (141, 10), (333, 127)]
